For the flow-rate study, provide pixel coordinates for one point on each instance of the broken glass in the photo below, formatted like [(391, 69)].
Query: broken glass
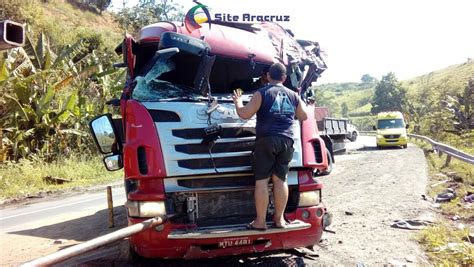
[(151, 88)]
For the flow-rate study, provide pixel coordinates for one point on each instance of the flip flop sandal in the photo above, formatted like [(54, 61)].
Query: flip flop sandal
[(252, 227), (283, 226)]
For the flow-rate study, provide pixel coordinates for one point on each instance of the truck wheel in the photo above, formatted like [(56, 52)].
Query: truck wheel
[(353, 136), (133, 257), (330, 164), (405, 146)]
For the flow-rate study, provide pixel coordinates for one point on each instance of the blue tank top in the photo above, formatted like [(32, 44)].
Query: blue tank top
[(277, 111)]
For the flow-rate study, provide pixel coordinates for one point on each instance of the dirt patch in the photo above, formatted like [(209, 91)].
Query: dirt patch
[(368, 190)]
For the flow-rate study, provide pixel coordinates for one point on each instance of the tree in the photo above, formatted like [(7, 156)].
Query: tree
[(389, 95), (460, 106), (147, 12), (366, 78), (423, 104), (48, 97), (344, 109), (101, 4)]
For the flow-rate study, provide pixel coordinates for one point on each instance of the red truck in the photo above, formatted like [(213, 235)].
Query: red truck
[(186, 153)]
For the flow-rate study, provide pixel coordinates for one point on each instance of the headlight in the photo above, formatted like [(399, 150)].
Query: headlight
[(145, 208), (403, 135), (379, 136), (310, 198)]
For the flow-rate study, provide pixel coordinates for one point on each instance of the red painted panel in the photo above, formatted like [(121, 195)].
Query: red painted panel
[(140, 131), (309, 134), (306, 182), (153, 244), (224, 41)]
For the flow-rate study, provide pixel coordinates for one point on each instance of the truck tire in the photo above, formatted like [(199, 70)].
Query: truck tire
[(133, 257), (405, 146), (330, 164)]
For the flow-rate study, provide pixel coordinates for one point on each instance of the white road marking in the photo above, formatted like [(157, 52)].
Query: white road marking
[(55, 207)]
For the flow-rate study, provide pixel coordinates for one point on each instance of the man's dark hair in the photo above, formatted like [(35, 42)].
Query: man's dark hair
[(277, 71)]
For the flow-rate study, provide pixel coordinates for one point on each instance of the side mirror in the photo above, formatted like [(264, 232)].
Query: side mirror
[(406, 126), (113, 162), (12, 34), (104, 134), (374, 128)]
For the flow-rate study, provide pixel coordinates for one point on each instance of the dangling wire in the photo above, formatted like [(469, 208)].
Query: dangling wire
[(209, 123)]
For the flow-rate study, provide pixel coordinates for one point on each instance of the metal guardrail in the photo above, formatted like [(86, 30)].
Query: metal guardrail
[(438, 148), (448, 150)]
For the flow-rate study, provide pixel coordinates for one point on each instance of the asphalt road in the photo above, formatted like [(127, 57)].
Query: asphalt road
[(40, 213)]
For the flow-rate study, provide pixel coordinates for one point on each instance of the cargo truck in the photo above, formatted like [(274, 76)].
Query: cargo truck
[(185, 151)]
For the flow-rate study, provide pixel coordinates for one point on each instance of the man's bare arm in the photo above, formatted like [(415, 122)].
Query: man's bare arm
[(246, 112), (301, 114)]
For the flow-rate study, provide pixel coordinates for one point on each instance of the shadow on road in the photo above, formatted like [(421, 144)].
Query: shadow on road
[(373, 148), (117, 254), (80, 229), (275, 259)]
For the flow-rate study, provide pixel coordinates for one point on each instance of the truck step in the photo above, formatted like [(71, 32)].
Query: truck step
[(234, 231)]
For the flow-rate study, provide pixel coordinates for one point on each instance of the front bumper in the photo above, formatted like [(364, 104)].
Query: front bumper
[(170, 241), (401, 141)]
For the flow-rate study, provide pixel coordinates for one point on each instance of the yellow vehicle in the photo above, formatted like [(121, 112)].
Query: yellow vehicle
[(391, 129)]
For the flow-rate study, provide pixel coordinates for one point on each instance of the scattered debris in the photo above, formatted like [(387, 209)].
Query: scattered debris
[(410, 224), (397, 263), (55, 180), (59, 241), (455, 176), (469, 238), (306, 253), (427, 198), (469, 198), (455, 218), (329, 231), (349, 213), (339, 241), (446, 196), (441, 182), (435, 205), (450, 246), (410, 259)]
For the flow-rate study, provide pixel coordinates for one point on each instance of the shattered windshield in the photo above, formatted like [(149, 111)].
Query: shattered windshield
[(150, 88)]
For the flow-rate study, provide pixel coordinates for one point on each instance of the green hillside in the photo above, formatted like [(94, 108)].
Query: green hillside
[(63, 21), (438, 84)]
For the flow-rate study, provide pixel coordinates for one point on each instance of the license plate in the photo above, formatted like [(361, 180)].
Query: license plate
[(233, 242)]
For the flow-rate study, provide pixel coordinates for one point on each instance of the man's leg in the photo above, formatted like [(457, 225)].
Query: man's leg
[(280, 197), (261, 202)]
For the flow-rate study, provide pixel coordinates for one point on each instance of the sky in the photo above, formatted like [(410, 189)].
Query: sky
[(407, 37)]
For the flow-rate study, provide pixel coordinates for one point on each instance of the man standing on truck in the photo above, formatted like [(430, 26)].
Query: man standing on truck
[(276, 107)]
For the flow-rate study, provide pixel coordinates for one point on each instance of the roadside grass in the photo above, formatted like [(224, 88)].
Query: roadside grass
[(447, 246), (27, 178), (446, 242)]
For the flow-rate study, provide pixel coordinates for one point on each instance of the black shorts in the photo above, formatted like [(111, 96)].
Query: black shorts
[(272, 155)]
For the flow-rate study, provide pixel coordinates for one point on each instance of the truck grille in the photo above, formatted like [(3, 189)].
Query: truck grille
[(185, 146), (393, 136), (225, 205), (198, 133), (207, 163), (239, 146)]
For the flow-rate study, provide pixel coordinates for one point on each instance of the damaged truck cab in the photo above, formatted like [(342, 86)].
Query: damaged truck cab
[(185, 151)]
